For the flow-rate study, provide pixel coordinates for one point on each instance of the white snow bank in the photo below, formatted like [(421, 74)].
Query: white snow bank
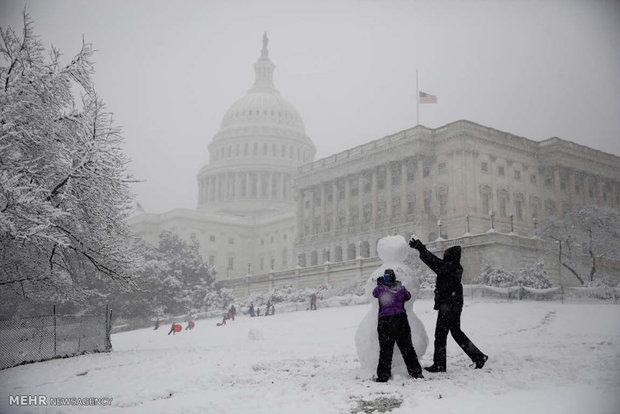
[(544, 358)]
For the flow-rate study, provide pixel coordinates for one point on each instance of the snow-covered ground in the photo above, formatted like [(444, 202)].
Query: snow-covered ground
[(544, 358)]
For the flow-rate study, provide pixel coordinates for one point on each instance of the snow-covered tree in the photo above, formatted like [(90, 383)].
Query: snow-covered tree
[(496, 277), (64, 185), (591, 231), (534, 277)]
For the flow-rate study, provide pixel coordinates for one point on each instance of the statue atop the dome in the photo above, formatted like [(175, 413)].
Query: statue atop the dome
[(264, 51)]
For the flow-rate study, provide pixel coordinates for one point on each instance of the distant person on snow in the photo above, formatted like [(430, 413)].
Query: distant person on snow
[(173, 329), (231, 314), (233, 310), (449, 303), (257, 311), (273, 309), (157, 324), (393, 326), (190, 324), (251, 310), (313, 302), (268, 308)]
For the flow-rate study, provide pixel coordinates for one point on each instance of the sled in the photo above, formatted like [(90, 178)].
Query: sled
[(178, 328), (221, 323)]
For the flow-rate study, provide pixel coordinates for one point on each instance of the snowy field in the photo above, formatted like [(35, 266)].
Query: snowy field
[(544, 358)]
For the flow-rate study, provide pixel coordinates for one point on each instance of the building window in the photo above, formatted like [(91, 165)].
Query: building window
[(486, 202), (427, 202), (307, 203), (426, 171), (212, 238), (533, 179), (271, 239), (212, 260), (354, 190), (231, 240), (354, 216), (441, 168), (443, 203), (410, 207), (284, 237), (262, 242), (502, 206), (231, 262), (501, 171), (484, 167), (547, 182), (519, 209), (330, 198), (517, 175)]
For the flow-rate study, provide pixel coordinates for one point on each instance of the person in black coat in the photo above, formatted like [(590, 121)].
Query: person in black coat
[(449, 303)]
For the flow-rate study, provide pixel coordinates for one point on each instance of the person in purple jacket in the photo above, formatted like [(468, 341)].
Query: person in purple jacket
[(393, 326)]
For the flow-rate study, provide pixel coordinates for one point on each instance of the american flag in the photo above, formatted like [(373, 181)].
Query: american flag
[(139, 208), (426, 98)]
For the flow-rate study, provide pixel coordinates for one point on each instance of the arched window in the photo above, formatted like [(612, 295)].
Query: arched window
[(338, 254), (365, 249), (314, 258), (301, 260), (351, 251), (284, 258)]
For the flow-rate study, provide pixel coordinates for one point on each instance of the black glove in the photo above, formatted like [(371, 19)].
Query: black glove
[(380, 280), (414, 243)]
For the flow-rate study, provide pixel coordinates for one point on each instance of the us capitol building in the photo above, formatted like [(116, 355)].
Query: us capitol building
[(269, 215)]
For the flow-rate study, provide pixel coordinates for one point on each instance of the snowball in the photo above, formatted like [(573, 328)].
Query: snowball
[(255, 335), (393, 251)]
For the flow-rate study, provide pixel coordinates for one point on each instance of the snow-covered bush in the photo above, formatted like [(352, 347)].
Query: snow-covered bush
[(496, 277), (427, 281), (534, 277)]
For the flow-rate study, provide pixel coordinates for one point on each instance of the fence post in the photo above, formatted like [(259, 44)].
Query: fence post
[(54, 330)]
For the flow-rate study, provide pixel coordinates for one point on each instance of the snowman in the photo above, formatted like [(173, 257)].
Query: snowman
[(392, 251)]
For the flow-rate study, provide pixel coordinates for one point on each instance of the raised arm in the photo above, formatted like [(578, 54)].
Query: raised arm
[(427, 257)]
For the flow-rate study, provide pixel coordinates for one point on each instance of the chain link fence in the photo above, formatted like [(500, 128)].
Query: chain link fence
[(40, 338)]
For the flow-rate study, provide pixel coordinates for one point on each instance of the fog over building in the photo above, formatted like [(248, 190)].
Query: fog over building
[(269, 215)]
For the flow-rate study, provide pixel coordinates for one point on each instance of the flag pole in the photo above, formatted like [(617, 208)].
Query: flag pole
[(417, 98)]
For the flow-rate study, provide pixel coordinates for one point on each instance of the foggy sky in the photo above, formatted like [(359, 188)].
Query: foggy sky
[(170, 70)]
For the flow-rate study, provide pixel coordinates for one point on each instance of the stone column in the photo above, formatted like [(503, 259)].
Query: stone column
[(335, 203), (388, 184), (312, 216), (360, 198), (347, 201), (300, 214), (586, 189), (419, 189), (323, 207), (599, 191), (558, 191), (571, 190), (373, 195), (237, 186), (269, 186), (226, 187), (403, 190), (281, 185)]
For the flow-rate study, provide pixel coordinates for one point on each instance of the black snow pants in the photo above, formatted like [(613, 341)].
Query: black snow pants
[(449, 320), (395, 328)]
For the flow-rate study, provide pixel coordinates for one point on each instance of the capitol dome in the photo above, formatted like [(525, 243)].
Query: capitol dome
[(254, 156)]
